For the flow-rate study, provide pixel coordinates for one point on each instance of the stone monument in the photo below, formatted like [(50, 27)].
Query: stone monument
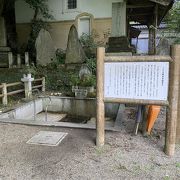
[(45, 48), (74, 53), (118, 42)]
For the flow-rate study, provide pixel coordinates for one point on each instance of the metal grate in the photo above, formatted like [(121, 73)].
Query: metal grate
[(72, 4), (47, 138)]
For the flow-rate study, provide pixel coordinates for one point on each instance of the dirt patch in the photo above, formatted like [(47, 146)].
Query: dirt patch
[(123, 157)]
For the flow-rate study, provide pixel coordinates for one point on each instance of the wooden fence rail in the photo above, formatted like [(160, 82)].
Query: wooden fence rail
[(4, 89)]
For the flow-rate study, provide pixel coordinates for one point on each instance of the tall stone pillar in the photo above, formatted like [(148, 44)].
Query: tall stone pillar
[(118, 42), (3, 39), (118, 19)]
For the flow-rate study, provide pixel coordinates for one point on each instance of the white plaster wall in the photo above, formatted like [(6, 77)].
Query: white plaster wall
[(99, 8), (23, 12)]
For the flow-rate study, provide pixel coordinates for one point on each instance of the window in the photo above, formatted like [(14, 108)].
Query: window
[(72, 4)]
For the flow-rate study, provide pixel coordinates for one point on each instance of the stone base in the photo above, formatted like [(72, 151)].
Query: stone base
[(73, 66), (5, 49), (118, 44), (4, 56)]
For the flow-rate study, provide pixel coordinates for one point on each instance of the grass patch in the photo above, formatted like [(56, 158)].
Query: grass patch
[(178, 165)]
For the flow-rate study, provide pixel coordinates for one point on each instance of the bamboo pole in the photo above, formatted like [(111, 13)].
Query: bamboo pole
[(100, 131), (15, 92), (37, 86), (172, 110), (36, 80), (14, 84)]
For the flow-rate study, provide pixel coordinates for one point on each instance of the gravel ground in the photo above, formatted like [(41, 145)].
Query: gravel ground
[(123, 157)]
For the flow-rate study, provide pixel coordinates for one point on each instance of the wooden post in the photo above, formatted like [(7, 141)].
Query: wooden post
[(4, 92), (26, 59), (178, 120), (152, 32), (10, 59), (43, 84), (172, 109), (100, 136), (18, 60)]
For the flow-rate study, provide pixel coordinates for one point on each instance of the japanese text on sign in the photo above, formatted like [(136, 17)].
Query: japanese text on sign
[(137, 80)]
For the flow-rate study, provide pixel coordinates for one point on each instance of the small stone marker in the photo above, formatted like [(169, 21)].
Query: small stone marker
[(74, 53), (84, 71), (45, 48), (163, 47), (47, 138)]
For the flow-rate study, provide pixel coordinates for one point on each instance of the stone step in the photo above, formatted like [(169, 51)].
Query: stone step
[(119, 45), (118, 40), (112, 49), (4, 59)]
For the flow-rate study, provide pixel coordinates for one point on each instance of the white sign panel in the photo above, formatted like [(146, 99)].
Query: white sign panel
[(137, 80)]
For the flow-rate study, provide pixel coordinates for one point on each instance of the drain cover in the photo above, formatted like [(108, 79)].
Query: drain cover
[(47, 138)]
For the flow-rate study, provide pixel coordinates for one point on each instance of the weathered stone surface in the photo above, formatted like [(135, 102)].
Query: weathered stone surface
[(84, 71), (163, 47), (118, 44), (74, 53), (3, 40), (45, 49), (118, 19), (1, 6)]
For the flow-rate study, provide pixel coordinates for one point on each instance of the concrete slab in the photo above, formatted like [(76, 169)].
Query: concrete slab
[(47, 138), (54, 124)]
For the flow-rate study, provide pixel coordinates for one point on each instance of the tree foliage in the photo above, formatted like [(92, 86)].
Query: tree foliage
[(40, 7), (41, 13), (173, 20)]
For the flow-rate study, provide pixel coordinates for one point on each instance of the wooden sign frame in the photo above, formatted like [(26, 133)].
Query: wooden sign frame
[(171, 103)]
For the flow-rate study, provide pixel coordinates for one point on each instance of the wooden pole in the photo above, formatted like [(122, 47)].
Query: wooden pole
[(18, 60), (26, 59), (178, 119), (172, 110), (10, 59), (43, 84), (4, 92), (100, 131), (152, 32)]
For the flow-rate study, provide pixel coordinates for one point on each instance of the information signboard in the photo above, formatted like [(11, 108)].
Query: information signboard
[(136, 80)]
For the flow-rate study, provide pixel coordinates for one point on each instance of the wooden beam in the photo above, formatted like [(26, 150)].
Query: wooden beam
[(139, 6), (162, 2), (140, 14), (137, 101), (137, 58)]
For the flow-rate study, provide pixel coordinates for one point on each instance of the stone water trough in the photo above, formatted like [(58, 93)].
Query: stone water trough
[(60, 112)]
